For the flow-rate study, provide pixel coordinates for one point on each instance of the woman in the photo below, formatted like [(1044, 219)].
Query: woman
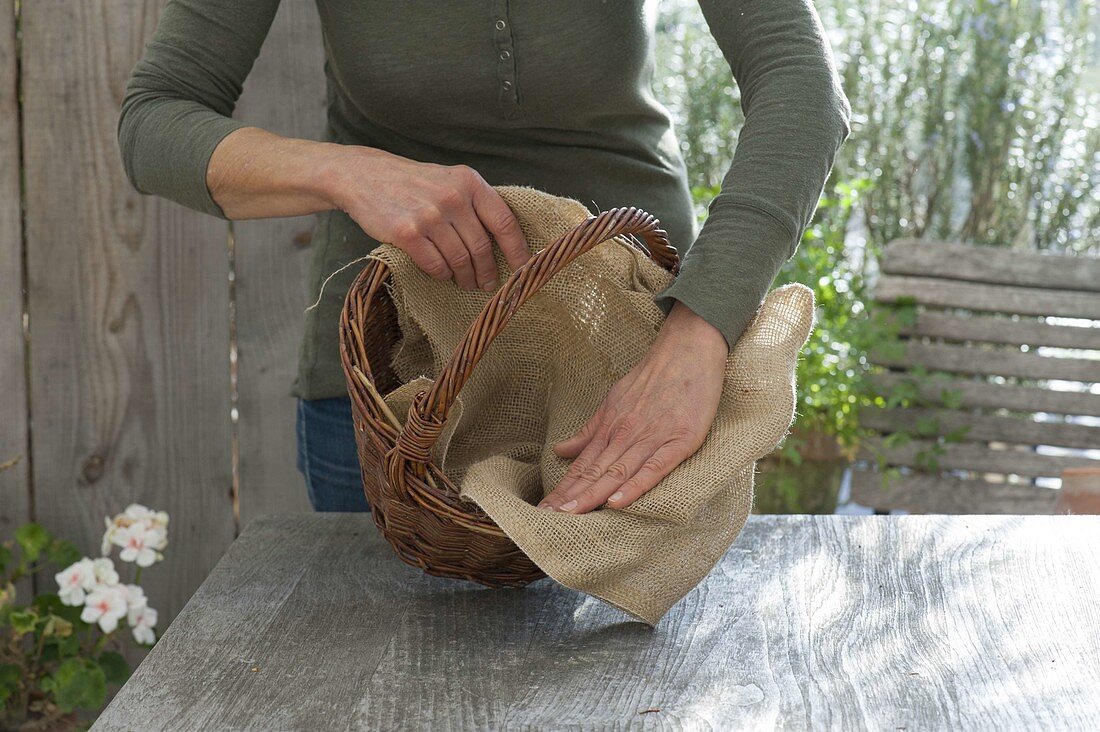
[(432, 103)]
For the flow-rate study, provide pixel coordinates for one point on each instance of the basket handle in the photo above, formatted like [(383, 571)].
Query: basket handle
[(428, 411)]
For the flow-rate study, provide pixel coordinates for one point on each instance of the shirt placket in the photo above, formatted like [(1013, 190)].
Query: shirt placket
[(504, 47)]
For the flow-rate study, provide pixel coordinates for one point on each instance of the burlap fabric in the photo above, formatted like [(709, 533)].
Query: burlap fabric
[(546, 374)]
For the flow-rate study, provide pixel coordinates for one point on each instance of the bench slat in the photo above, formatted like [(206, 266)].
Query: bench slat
[(978, 458), (935, 494), (988, 298), (987, 362), (995, 396), (996, 265), (985, 427), (983, 280), (1001, 330)]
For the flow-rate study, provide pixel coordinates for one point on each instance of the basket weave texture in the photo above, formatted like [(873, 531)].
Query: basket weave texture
[(459, 396)]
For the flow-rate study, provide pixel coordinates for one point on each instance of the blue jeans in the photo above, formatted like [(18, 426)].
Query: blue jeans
[(327, 457)]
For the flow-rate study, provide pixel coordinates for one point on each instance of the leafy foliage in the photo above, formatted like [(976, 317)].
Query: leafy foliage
[(77, 682), (975, 118), (833, 371), (972, 120), (52, 662)]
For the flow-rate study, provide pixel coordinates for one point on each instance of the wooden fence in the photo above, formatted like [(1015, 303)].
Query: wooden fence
[(118, 312)]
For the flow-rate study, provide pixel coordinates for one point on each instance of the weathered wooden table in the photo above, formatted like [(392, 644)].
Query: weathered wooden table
[(833, 622)]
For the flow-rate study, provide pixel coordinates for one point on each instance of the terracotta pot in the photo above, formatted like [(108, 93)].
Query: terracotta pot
[(809, 487), (1080, 492)]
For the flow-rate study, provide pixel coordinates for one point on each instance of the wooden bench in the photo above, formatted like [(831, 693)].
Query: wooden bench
[(1001, 360), (809, 622)]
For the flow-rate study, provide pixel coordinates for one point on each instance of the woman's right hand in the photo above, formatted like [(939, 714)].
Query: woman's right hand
[(442, 216)]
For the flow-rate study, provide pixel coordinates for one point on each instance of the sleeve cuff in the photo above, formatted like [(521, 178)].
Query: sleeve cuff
[(167, 147), (731, 324), (728, 271)]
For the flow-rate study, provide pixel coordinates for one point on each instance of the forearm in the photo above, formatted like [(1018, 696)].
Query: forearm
[(256, 174), (796, 117), (447, 218)]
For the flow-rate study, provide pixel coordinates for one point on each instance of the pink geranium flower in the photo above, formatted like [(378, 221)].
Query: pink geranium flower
[(105, 606)]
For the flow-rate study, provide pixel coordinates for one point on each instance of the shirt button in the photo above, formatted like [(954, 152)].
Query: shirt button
[(505, 55), (506, 84), (501, 25)]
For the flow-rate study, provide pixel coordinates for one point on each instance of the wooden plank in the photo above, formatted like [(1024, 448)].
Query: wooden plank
[(995, 265), (925, 494), (808, 622), (128, 309), (1001, 330), (989, 428), (285, 93), (15, 498), (989, 362), (971, 393), (975, 457), (988, 298)]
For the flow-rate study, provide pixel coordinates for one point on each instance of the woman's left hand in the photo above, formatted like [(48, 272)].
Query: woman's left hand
[(652, 420)]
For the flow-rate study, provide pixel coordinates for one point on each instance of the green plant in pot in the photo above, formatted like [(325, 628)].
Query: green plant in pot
[(834, 370), (805, 474), (62, 649)]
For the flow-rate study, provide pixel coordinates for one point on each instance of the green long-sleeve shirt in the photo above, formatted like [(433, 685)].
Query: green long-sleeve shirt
[(555, 95)]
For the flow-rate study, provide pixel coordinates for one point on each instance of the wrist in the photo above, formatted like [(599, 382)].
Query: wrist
[(685, 328), (332, 171), (340, 170)]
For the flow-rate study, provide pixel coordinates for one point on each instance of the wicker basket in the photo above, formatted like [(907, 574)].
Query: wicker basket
[(416, 507)]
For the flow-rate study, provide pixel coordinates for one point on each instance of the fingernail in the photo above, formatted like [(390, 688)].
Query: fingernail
[(491, 285), (569, 506), (616, 496), (547, 506)]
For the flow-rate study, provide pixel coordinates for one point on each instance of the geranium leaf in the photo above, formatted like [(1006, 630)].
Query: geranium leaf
[(62, 552), (57, 648), (32, 539), (114, 667), (23, 621), (57, 626), (77, 683), (10, 675)]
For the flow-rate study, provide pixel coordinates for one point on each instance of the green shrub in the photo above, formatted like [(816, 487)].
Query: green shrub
[(973, 120)]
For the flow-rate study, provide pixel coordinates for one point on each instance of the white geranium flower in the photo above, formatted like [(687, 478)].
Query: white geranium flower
[(137, 512), (139, 544), (105, 573), (145, 634), (105, 606), (74, 581), (161, 539), (143, 620), (108, 536), (135, 597), (135, 515)]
